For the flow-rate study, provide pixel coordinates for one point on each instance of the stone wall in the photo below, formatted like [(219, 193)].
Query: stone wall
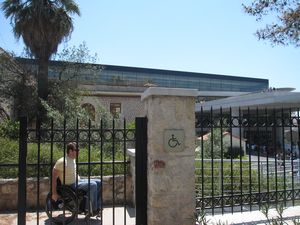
[(9, 191), (131, 106), (103, 95)]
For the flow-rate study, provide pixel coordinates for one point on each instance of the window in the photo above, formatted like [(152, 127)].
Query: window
[(115, 109)]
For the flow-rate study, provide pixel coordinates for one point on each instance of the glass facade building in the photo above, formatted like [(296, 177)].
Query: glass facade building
[(138, 77), (133, 76)]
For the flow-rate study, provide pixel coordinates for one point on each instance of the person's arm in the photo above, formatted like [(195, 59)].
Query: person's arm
[(54, 184)]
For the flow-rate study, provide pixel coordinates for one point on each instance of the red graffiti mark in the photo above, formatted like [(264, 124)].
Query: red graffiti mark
[(159, 164)]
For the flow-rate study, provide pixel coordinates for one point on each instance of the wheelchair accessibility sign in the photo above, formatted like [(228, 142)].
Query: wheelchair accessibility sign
[(174, 140)]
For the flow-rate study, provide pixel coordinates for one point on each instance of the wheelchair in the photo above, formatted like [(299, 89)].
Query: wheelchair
[(71, 203)]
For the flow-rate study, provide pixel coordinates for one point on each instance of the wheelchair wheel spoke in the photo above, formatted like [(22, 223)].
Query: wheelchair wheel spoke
[(65, 210)]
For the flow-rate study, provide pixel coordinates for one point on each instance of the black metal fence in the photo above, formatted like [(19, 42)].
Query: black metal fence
[(102, 153), (246, 158)]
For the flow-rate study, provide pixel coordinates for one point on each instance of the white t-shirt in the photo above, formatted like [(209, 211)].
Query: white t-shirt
[(70, 174)]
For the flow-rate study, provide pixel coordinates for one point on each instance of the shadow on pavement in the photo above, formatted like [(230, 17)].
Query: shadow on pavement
[(79, 221)]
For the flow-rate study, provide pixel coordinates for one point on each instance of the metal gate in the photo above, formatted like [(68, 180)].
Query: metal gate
[(102, 155)]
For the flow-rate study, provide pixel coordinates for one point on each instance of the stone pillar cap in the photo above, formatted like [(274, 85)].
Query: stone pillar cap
[(158, 91)]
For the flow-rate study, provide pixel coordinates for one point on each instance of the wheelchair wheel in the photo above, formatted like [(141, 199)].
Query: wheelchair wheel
[(64, 210)]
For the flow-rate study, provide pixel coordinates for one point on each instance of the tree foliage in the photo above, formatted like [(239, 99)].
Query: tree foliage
[(43, 25), (17, 87), (80, 54), (284, 28), (71, 59), (216, 145), (64, 93), (9, 129), (63, 103), (213, 147)]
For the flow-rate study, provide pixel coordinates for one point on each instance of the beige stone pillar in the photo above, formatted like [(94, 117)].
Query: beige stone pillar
[(171, 155)]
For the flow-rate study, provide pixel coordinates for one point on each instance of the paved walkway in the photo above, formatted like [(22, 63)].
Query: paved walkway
[(31, 218), (245, 218), (255, 217)]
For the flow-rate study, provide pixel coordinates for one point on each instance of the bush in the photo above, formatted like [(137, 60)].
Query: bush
[(9, 129), (9, 154), (234, 152)]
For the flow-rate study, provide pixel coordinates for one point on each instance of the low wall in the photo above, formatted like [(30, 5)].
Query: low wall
[(9, 191)]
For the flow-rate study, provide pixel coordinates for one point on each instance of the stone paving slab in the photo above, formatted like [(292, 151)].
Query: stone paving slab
[(245, 218), (31, 218), (254, 217)]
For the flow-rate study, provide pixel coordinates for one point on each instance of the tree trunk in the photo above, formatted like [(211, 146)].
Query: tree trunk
[(43, 79)]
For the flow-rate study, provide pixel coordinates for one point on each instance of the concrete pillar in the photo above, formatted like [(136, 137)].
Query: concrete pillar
[(171, 155), (131, 154)]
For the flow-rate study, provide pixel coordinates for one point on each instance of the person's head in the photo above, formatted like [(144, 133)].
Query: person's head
[(72, 149)]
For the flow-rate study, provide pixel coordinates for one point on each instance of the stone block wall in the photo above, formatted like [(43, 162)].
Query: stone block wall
[(131, 106), (131, 154), (170, 168), (9, 192)]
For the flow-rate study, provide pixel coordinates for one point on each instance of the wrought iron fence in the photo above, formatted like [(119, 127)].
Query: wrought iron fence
[(246, 158), (103, 152)]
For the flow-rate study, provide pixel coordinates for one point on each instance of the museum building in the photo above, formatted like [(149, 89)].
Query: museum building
[(119, 88)]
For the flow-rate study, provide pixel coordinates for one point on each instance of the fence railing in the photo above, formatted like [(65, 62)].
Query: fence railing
[(226, 183), (103, 152), (246, 158)]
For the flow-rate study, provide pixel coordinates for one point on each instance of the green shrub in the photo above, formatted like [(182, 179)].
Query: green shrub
[(9, 154), (237, 177), (234, 152), (9, 129)]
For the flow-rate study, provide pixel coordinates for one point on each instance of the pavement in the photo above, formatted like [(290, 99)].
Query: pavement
[(245, 218), (256, 217), (8, 218)]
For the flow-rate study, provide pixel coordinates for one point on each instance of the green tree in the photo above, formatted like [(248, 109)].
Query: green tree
[(213, 147), (284, 28), (17, 87), (43, 25), (63, 103), (65, 92), (71, 63)]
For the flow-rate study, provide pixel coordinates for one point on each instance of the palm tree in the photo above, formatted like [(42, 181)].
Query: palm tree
[(43, 25)]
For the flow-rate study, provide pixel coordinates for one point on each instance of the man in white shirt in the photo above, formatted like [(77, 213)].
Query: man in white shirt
[(69, 178)]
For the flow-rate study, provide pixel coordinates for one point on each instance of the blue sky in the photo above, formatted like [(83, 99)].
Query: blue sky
[(192, 35)]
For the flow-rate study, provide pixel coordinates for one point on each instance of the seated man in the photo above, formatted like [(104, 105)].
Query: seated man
[(70, 178)]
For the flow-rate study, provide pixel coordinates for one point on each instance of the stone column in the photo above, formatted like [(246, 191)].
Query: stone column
[(131, 154), (171, 155)]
